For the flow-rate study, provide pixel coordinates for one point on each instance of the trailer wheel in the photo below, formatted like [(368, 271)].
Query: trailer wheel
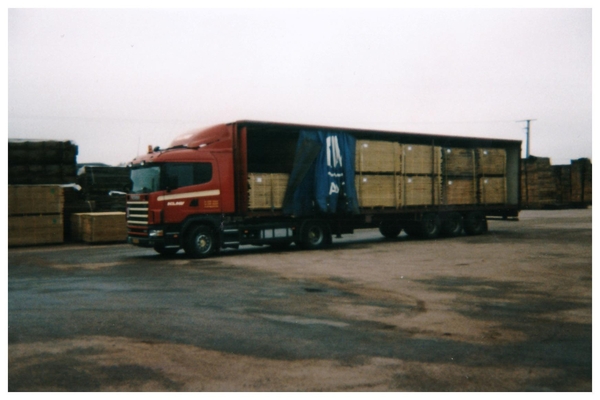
[(452, 225), (201, 241), (166, 251), (390, 230), (314, 235), (430, 226), (475, 223)]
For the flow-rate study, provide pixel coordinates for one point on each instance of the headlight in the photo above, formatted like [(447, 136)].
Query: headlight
[(156, 233)]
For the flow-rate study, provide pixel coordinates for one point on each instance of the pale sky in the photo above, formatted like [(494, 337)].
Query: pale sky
[(116, 80)]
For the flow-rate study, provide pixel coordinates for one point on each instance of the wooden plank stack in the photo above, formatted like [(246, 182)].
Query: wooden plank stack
[(492, 190), (378, 190), (581, 181), (33, 162), (266, 191), (538, 184), (393, 175), (421, 190), (99, 227), (98, 181), (35, 215)]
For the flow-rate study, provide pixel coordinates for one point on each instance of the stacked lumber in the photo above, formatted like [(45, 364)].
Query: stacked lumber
[(493, 190), (378, 190), (41, 162), (491, 161), (421, 190), (35, 214), (538, 184), (97, 182), (460, 190), (421, 159), (266, 191), (562, 175), (581, 181), (390, 174), (99, 227), (377, 156), (458, 162)]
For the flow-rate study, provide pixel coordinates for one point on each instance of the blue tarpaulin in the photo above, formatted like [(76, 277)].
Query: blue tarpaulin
[(322, 180)]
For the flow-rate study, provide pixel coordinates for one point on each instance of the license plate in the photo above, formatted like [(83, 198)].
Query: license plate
[(136, 241)]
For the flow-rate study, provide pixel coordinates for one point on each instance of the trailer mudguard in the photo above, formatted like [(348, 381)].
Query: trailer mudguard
[(322, 179)]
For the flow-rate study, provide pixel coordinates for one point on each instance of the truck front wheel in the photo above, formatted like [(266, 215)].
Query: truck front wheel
[(201, 242)]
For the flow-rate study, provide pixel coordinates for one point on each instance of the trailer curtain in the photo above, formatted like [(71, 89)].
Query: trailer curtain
[(322, 179)]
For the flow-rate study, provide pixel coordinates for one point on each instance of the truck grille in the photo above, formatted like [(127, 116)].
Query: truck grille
[(137, 213)]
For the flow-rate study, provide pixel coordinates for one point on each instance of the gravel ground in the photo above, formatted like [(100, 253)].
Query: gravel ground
[(510, 310)]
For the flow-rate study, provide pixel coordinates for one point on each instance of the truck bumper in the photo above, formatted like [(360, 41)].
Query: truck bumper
[(145, 241)]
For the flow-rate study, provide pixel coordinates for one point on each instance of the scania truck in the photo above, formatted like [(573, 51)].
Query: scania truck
[(268, 183)]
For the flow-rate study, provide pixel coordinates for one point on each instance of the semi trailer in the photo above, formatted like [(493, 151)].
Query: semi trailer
[(267, 183)]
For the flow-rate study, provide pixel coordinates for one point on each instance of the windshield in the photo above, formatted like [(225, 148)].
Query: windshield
[(145, 179)]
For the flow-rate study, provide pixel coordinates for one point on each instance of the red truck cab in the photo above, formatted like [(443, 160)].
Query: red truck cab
[(193, 176)]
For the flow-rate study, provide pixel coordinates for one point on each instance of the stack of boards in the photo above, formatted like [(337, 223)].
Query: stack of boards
[(394, 175), (35, 214), (390, 174), (99, 227), (35, 162)]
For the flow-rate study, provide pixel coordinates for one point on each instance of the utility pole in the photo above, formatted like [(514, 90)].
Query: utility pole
[(527, 133)]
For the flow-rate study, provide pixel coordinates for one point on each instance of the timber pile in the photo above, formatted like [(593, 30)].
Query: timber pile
[(562, 175), (493, 190), (581, 181), (41, 162), (98, 181), (35, 214), (421, 190), (266, 191), (491, 161), (458, 162), (378, 190), (538, 185), (99, 227), (421, 160), (460, 191), (377, 156)]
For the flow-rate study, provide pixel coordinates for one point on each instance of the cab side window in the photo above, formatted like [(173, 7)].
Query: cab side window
[(187, 174)]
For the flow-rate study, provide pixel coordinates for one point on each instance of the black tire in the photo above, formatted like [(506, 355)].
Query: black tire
[(390, 230), (201, 242), (166, 251), (452, 225), (314, 235), (430, 226), (475, 223)]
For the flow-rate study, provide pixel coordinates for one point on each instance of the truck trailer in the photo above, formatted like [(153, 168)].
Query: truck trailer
[(267, 183)]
